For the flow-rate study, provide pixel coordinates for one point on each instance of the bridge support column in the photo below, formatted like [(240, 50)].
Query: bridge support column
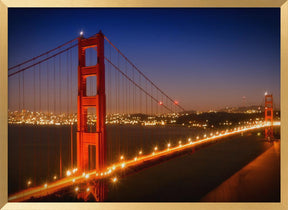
[(86, 139), (269, 117)]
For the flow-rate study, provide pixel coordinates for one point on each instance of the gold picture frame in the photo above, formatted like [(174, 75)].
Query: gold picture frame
[(5, 4)]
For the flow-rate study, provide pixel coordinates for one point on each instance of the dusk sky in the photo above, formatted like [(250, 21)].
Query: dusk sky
[(204, 58)]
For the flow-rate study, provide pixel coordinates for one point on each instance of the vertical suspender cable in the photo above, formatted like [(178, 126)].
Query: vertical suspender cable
[(20, 136), (60, 117), (35, 116), (48, 111), (70, 111)]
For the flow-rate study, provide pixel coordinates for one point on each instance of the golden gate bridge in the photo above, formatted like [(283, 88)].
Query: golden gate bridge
[(110, 90)]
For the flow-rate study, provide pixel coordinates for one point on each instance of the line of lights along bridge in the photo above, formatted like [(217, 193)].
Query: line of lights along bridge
[(73, 176)]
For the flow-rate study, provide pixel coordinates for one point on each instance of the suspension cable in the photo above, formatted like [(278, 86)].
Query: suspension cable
[(140, 72), (152, 97), (42, 60), (13, 67)]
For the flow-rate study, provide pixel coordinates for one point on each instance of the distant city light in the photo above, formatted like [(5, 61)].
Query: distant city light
[(114, 179)]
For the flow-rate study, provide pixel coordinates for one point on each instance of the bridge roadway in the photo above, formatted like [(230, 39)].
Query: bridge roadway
[(73, 177)]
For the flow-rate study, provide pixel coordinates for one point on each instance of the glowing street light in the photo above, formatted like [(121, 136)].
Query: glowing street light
[(81, 33)]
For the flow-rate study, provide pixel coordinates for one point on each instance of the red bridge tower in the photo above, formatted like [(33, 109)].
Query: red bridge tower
[(86, 139)]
